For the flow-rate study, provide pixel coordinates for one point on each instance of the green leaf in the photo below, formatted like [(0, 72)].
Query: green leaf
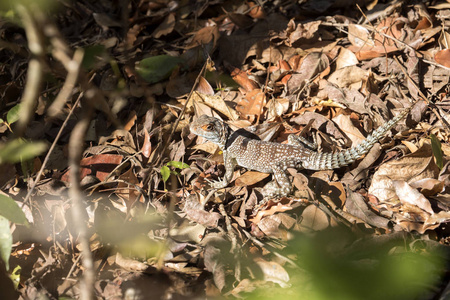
[(5, 241), (13, 114), (165, 172), (19, 150), (91, 54), (437, 151), (11, 211), (225, 80), (156, 68), (177, 164), (15, 276)]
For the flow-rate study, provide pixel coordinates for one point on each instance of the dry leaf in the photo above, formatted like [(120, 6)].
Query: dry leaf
[(273, 272), (314, 219), (407, 194), (250, 178)]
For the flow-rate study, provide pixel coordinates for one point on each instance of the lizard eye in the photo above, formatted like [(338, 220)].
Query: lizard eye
[(209, 127)]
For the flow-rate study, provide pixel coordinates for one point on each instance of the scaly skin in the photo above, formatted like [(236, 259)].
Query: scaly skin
[(267, 157)]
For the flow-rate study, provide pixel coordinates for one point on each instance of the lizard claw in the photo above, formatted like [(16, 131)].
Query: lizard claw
[(217, 184)]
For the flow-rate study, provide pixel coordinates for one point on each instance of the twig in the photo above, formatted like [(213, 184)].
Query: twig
[(52, 147), (75, 154), (73, 70), (177, 121), (62, 53), (268, 247), (443, 120), (35, 69)]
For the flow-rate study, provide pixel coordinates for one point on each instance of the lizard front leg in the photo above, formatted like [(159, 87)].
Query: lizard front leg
[(230, 164)]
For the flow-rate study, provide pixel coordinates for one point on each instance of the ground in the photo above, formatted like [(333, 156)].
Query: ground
[(102, 183)]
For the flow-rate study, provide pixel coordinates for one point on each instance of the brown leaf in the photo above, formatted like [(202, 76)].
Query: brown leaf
[(195, 212), (206, 35), (165, 27), (146, 149), (282, 205), (243, 80), (356, 206), (407, 194), (250, 178), (429, 186), (204, 87), (315, 63), (131, 121), (443, 57), (314, 219), (126, 189), (412, 167), (366, 47), (273, 272), (252, 104), (130, 264), (99, 165), (256, 11), (215, 102)]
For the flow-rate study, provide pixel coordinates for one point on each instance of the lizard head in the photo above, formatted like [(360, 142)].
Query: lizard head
[(211, 128)]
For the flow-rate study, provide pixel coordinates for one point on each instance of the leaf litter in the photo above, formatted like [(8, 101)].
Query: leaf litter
[(329, 73)]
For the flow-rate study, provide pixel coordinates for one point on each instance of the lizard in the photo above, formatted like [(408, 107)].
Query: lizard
[(245, 149)]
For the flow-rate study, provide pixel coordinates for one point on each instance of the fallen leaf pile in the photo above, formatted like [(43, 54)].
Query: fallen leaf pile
[(105, 193)]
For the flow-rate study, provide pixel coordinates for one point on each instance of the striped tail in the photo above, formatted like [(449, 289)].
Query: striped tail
[(328, 161)]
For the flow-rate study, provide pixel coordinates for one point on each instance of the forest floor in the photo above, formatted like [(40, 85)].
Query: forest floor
[(105, 192)]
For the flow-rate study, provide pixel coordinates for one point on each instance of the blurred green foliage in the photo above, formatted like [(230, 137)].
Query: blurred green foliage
[(332, 266)]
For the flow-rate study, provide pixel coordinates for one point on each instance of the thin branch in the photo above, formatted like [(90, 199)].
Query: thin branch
[(76, 143), (49, 153), (35, 69)]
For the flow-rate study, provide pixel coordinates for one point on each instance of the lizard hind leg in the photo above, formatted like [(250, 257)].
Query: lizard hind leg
[(279, 187), (296, 140)]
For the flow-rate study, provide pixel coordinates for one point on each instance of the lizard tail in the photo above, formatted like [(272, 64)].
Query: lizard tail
[(328, 161)]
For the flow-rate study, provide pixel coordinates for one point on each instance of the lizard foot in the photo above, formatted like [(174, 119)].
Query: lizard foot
[(217, 184)]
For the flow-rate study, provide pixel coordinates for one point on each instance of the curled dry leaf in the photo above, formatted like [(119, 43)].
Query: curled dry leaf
[(407, 194), (204, 36), (412, 167), (440, 217), (429, 186), (241, 78), (126, 189), (215, 102), (314, 219), (367, 45), (271, 225), (146, 149), (273, 272), (204, 87), (188, 232), (357, 207), (282, 205), (346, 58), (256, 11), (130, 264), (349, 77), (165, 27), (315, 63), (346, 125)]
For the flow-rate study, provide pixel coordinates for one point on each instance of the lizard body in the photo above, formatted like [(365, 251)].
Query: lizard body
[(245, 149)]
